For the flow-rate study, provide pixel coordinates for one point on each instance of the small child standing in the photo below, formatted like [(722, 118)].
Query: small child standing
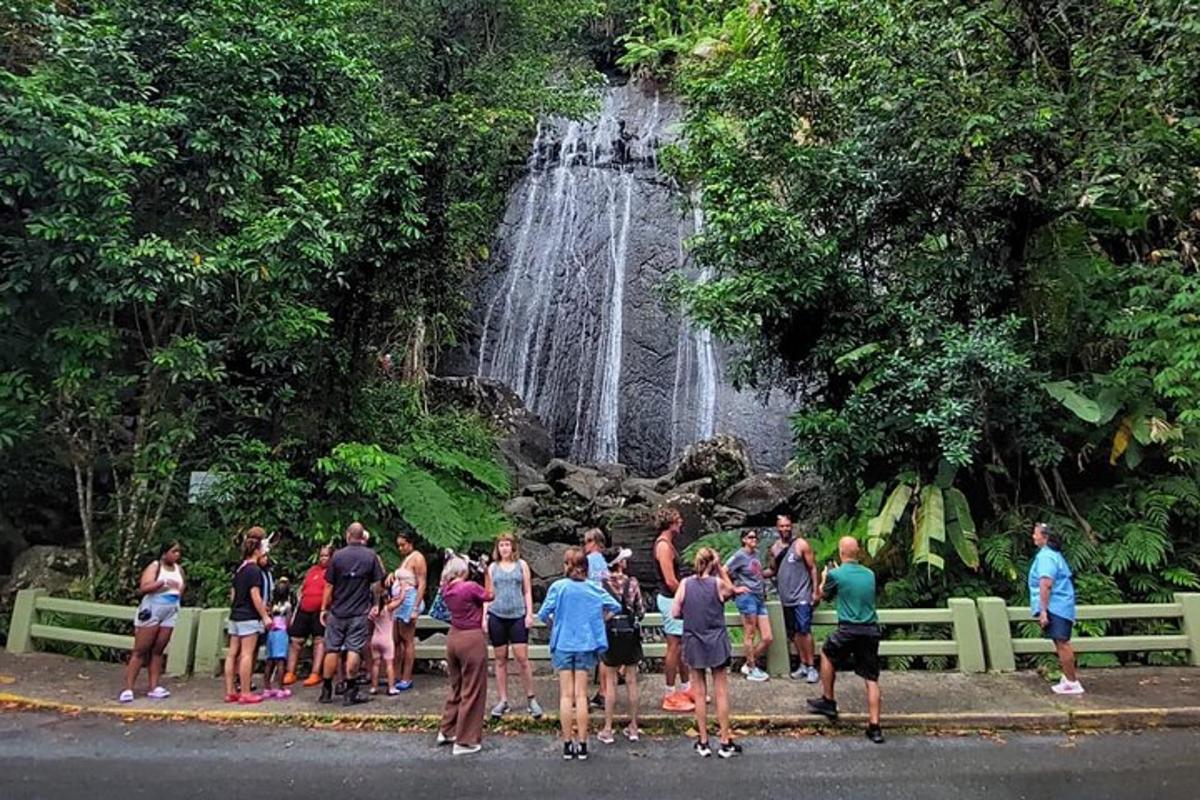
[(277, 642), (383, 645)]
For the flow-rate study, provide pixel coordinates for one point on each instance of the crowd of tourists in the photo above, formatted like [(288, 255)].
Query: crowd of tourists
[(361, 619)]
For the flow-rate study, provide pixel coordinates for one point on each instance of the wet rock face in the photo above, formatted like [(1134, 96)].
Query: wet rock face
[(571, 315)]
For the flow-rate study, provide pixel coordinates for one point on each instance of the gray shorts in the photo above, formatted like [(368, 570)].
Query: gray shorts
[(346, 635), (152, 613), (246, 627)]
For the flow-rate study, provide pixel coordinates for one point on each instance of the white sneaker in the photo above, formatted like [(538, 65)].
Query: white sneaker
[(758, 676), (444, 739), (745, 667), (1067, 687), (799, 673), (813, 676), (158, 693), (125, 697), (465, 749)]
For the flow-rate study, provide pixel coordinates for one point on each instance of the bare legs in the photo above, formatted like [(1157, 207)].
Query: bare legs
[(406, 653), (874, 696), (573, 704), (720, 695), (143, 645), (240, 661), (521, 653), (609, 677), (804, 648), (1066, 659), (755, 626)]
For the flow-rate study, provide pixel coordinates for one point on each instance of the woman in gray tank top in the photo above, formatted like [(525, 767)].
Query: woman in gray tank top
[(508, 619), (700, 603)]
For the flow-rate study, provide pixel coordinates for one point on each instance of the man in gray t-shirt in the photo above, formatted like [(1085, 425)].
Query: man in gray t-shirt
[(795, 573)]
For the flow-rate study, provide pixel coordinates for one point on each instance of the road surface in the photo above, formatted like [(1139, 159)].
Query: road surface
[(47, 756)]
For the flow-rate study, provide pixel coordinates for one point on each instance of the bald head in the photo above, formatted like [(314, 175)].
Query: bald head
[(355, 532), (848, 548)]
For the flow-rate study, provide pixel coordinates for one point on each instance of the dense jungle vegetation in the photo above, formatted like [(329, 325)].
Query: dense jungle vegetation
[(965, 234)]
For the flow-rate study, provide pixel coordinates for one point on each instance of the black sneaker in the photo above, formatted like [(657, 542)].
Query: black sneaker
[(568, 751), (702, 749), (875, 734), (729, 749), (597, 702), (326, 694), (824, 707), (581, 751), (339, 688), (352, 697)]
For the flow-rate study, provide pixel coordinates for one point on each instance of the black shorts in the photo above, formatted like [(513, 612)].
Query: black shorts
[(855, 647), (306, 624), (344, 635), (503, 632)]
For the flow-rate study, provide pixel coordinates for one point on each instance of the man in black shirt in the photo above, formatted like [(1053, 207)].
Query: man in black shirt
[(352, 582)]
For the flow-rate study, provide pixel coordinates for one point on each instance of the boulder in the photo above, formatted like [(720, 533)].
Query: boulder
[(722, 458), (539, 490), (544, 560), (584, 482), (557, 469), (522, 508), (728, 517), (704, 487), (46, 567), (642, 490), (695, 511), (762, 496)]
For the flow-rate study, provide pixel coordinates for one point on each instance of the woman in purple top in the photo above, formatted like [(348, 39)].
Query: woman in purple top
[(700, 603), (466, 660)]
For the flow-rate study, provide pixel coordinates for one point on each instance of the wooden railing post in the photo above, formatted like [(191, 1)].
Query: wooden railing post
[(966, 635), (997, 633), (1191, 624), (779, 663), (24, 615)]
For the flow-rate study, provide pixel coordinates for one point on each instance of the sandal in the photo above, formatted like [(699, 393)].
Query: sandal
[(605, 736), (231, 698), (631, 733)]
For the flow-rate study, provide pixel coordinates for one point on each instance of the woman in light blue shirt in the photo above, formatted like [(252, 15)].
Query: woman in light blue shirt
[(1052, 602), (577, 608)]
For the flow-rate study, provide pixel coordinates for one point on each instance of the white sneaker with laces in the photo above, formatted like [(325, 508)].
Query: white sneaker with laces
[(465, 749), (814, 675), (745, 667), (799, 673), (758, 676), (1067, 687), (125, 697), (444, 739)]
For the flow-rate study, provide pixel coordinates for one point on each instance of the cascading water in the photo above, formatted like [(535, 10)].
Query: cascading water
[(572, 318)]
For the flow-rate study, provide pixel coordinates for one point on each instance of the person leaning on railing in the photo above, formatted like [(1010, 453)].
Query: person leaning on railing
[(161, 586)]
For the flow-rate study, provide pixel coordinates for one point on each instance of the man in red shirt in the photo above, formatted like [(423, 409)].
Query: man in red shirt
[(306, 622)]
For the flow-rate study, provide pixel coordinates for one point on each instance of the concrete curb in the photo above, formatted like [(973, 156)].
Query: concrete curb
[(652, 724)]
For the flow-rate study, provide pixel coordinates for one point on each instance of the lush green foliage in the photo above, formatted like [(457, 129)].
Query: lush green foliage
[(224, 227), (968, 234)]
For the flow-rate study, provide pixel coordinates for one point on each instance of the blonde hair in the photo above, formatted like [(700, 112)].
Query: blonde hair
[(455, 568), (507, 536), (706, 560), (594, 536)]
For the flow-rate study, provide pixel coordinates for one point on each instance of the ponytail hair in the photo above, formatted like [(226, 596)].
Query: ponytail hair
[(251, 546), (706, 561), (575, 564)]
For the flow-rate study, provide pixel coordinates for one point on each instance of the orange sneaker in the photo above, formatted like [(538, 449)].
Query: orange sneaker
[(289, 679), (312, 680), (678, 701)]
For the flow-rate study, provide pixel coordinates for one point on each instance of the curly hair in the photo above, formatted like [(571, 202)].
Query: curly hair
[(666, 517)]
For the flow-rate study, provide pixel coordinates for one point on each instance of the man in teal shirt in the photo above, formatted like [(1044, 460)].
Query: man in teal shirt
[(855, 643)]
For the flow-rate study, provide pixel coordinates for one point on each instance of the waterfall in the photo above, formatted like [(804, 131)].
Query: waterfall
[(571, 317)]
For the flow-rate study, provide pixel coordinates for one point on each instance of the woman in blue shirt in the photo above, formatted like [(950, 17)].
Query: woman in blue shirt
[(1052, 602), (578, 608)]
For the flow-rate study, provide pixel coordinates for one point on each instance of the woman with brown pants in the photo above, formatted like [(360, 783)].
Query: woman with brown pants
[(466, 660)]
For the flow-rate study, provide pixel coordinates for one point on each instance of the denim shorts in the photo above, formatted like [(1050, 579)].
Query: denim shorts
[(1059, 629), (802, 619), (750, 605), (404, 611), (670, 625), (577, 662), (246, 627)]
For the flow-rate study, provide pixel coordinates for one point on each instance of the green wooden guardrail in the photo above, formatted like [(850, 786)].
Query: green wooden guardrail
[(200, 642), (1003, 647), (27, 627)]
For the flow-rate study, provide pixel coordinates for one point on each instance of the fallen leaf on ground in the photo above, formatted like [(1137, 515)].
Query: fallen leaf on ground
[(7, 679)]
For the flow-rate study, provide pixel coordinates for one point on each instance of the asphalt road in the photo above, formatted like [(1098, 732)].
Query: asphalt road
[(46, 756)]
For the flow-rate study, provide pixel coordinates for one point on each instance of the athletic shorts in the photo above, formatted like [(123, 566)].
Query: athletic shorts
[(855, 647), (277, 644), (670, 625), (151, 613), (575, 662), (750, 605), (245, 627), (503, 632), (344, 635), (1059, 629), (306, 624), (797, 620)]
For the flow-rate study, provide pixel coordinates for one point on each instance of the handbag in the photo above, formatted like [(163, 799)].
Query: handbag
[(624, 633), (439, 610)]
